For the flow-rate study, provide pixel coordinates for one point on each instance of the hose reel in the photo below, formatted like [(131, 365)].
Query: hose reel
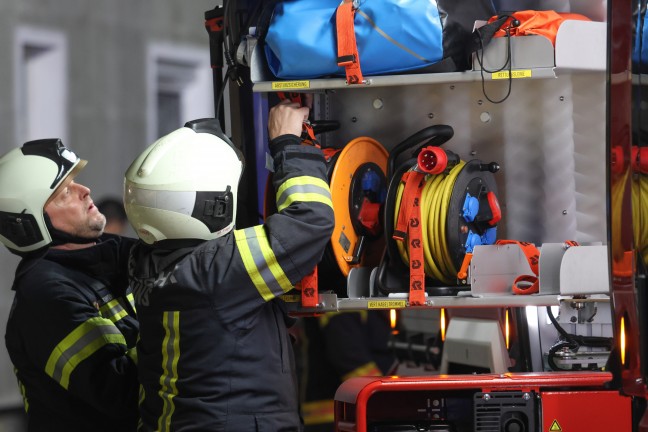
[(358, 190), (358, 184), (457, 210)]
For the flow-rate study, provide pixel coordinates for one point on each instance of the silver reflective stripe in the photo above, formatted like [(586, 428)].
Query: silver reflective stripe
[(170, 357), (303, 189), (261, 263), (80, 344), (113, 311)]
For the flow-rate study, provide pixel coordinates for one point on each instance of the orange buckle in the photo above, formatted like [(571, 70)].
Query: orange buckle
[(347, 60)]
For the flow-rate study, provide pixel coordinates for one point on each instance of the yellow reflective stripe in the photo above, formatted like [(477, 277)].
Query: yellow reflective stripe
[(318, 412), (299, 181), (113, 311), (271, 261), (304, 189), (248, 262), (132, 353), (368, 369), (170, 356), (80, 344), (261, 263), (304, 197), (131, 300)]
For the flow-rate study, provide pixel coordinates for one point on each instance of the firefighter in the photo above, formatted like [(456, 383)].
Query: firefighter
[(72, 328), (215, 353), (339, 346)]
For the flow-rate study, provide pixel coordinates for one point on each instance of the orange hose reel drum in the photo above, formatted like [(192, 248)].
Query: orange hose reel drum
[(358, 157)]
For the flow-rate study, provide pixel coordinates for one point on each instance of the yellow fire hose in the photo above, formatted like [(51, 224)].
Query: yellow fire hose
[(435, 203)]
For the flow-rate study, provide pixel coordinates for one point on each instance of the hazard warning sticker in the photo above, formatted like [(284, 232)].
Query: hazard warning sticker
[(555, 427)]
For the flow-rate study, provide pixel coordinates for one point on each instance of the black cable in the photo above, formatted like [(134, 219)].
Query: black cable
[(227, 29), (592, 341), (230, 30), (558, 327), (552, 352), (221, 91), (573, 342), (508, 63)]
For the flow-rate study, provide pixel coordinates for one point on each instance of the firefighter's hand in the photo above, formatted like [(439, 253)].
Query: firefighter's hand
[(286, 118)]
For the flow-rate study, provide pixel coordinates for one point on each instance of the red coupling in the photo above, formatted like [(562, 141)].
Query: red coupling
[(432, 160), (616, 160), (639, 159), (293, 96)]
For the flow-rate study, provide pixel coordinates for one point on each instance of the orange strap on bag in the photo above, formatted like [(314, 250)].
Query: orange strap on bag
[(347, 47), (534, 22), (409, 221)]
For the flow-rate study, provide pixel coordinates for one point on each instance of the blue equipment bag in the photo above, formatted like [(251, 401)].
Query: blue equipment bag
[(392, 36)]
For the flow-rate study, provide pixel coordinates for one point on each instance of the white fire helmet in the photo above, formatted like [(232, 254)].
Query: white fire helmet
[(29, 176), (184, 185)]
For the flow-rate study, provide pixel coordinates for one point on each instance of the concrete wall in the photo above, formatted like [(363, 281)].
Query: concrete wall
[(106, 112)]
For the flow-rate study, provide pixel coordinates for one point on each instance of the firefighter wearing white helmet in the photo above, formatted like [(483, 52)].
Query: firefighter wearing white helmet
[(71, 324), (214, 352), (184, 186), (29, 176)]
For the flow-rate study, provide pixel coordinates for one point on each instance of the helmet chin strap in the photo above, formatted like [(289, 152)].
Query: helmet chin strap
[(60, 238)]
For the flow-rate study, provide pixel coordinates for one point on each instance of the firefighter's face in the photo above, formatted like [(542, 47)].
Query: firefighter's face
[(72, 211)]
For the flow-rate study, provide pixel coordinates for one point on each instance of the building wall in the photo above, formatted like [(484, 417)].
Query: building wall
[(108, 111)]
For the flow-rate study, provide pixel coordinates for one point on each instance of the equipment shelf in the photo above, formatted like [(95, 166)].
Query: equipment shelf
[(386, 81), (533, 57), (329, 302)]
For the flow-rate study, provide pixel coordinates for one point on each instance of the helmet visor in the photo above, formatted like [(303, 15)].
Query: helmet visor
[(54, 150)]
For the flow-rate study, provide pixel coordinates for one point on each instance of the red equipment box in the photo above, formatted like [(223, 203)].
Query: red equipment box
[(512, 402)]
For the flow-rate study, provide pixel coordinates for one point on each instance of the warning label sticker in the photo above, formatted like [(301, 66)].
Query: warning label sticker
[(386, 304), (555, 427), (287, 85), (514, 74)]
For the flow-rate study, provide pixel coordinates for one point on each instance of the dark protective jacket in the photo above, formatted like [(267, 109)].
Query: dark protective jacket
[(215, 353), (71, 335), (341, 345)]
